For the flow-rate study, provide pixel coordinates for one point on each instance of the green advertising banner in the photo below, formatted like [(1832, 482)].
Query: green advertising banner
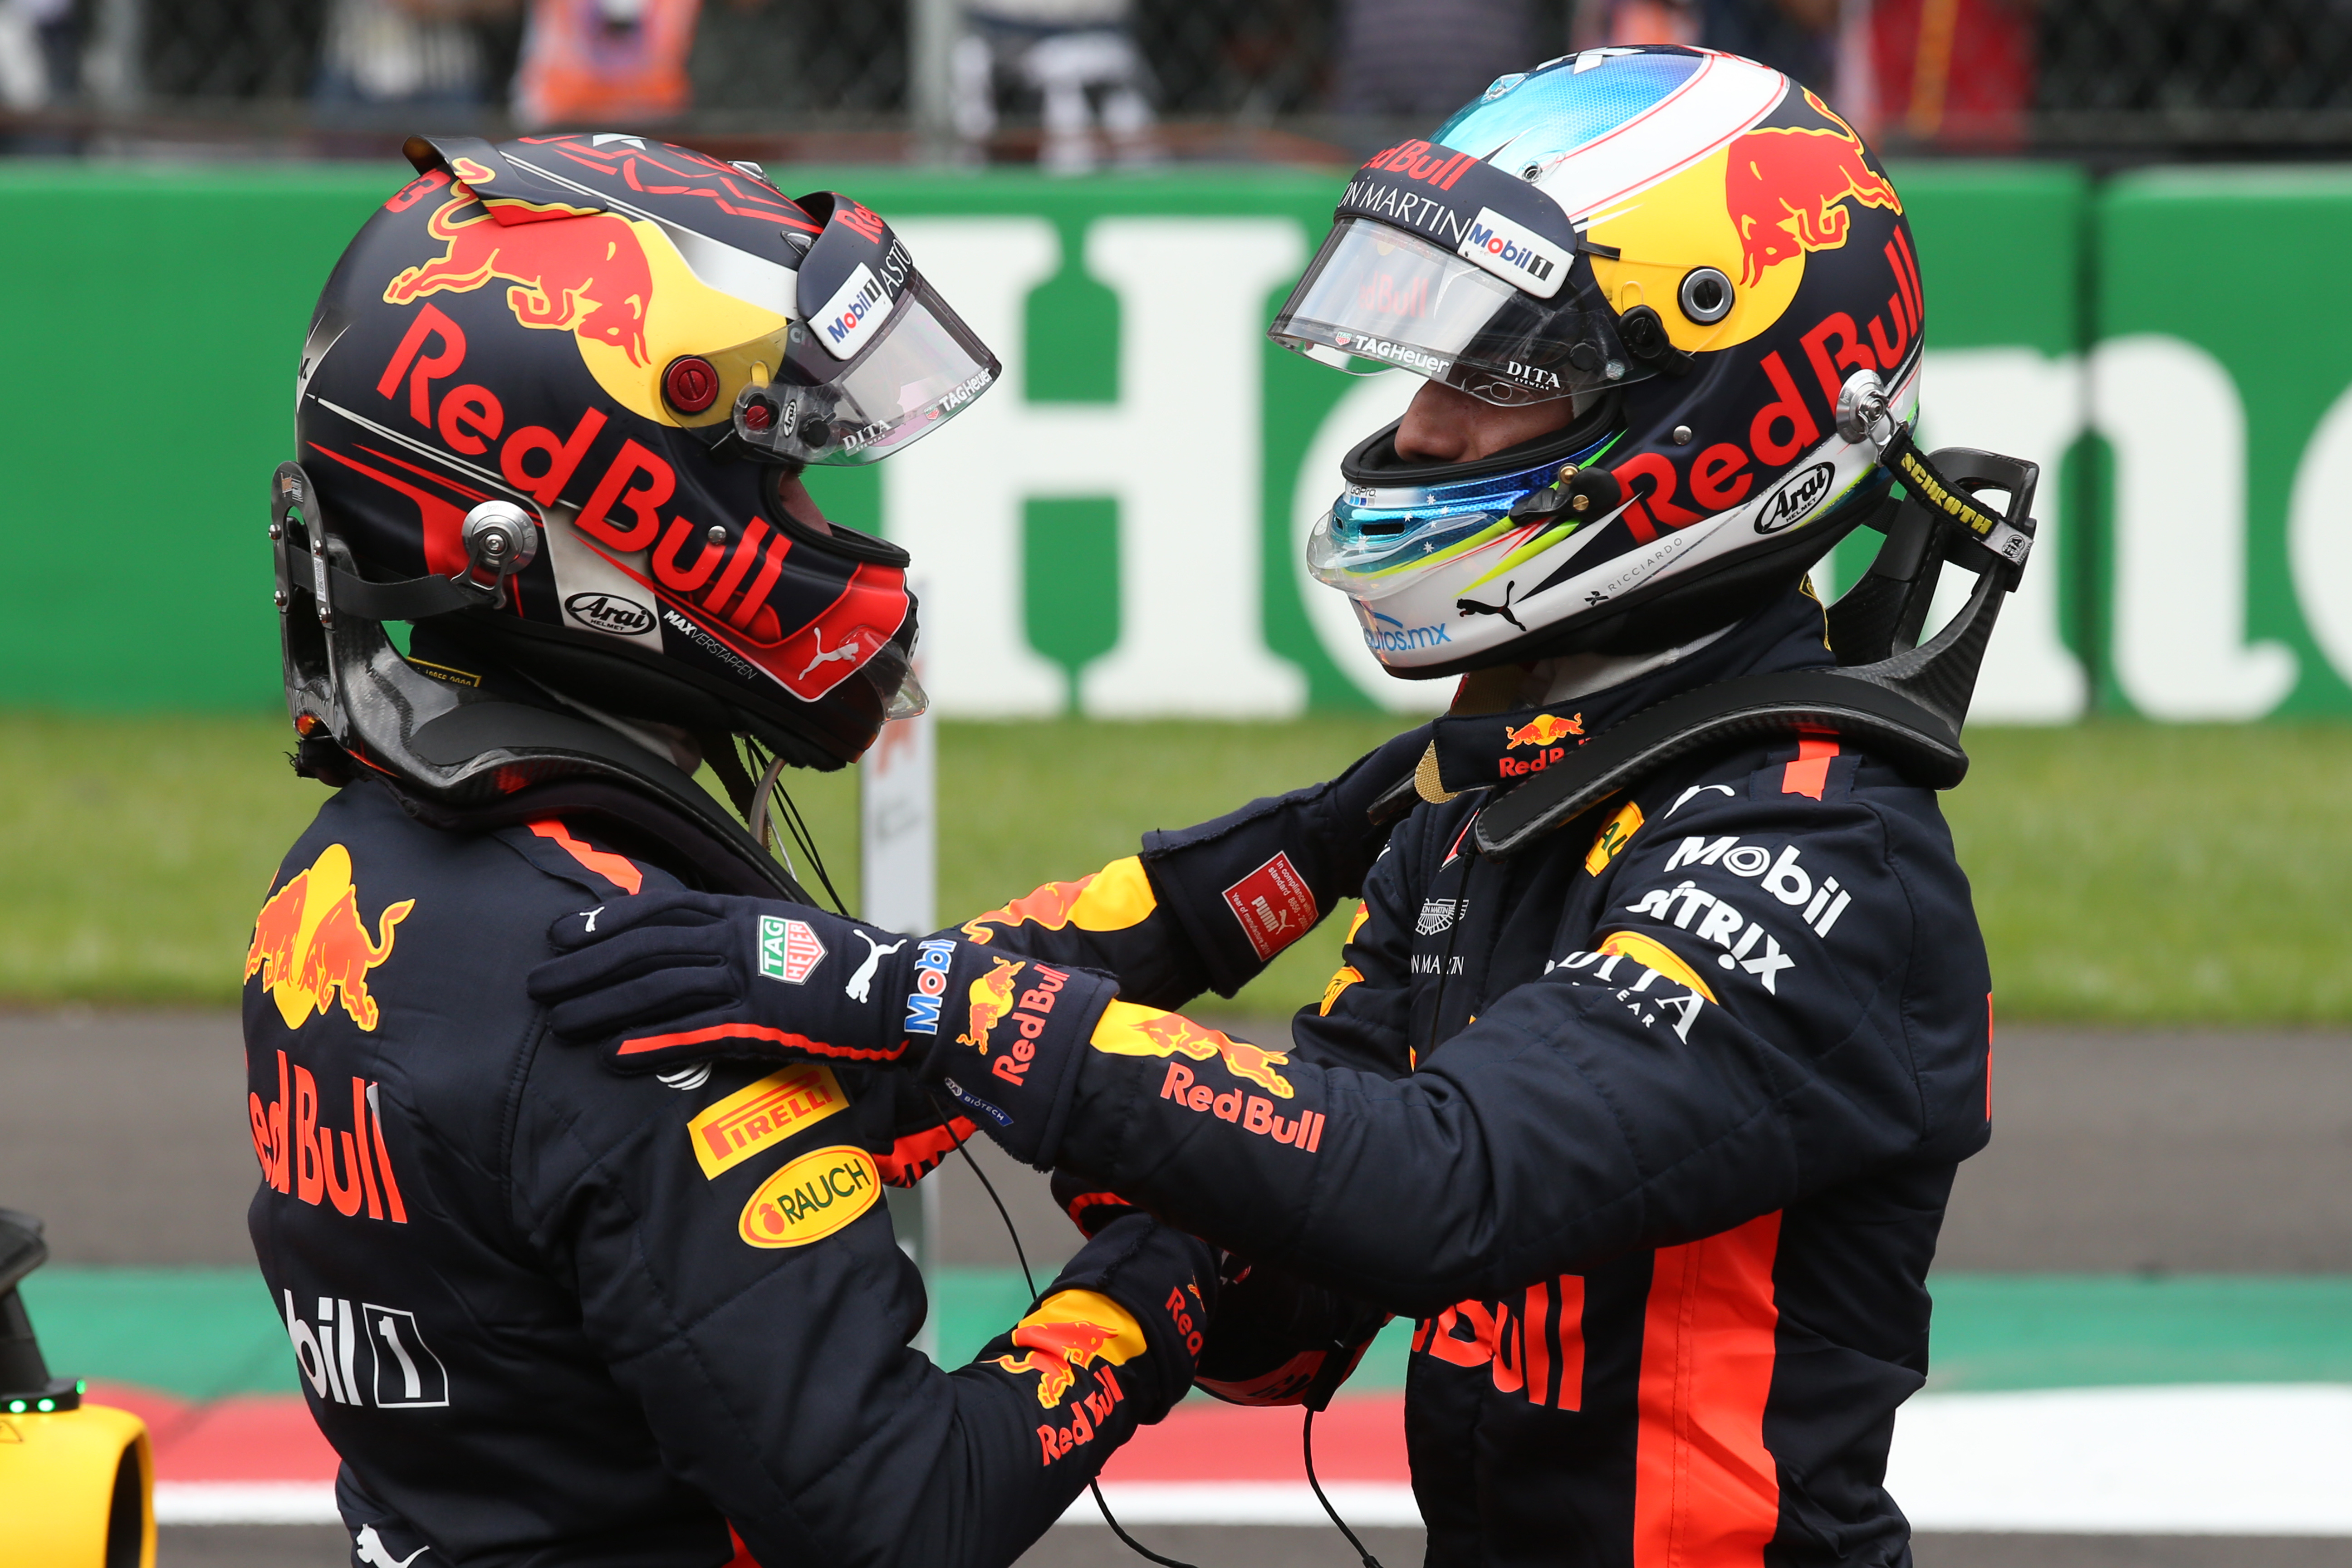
[(2226, 583), (1116, 529)]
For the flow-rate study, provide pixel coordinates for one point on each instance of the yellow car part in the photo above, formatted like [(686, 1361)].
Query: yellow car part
[(76, 1489)]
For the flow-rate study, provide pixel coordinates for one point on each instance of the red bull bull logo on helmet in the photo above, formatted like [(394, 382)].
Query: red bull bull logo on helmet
[(584, 274), (313, 949), (1786, 191)]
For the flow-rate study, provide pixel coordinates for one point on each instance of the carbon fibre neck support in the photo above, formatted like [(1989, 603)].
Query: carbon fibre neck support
[(1904, 701)]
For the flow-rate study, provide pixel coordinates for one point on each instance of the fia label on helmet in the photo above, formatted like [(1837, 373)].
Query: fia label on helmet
[(848, 318), (1515, 253)]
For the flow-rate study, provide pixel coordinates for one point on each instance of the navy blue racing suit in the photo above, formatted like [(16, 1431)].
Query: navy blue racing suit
[(1651, 1126), (549, 1316)]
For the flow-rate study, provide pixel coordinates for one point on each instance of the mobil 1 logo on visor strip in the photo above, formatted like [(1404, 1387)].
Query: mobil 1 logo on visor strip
[(858, 307), (1515, 253), (1487, 217)]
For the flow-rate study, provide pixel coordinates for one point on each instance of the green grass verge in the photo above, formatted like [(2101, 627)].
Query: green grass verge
[(2124, 873), (202, 1333)]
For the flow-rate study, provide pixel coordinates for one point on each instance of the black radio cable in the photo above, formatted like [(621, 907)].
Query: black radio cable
[(1306, 1440), (1021, 1256)]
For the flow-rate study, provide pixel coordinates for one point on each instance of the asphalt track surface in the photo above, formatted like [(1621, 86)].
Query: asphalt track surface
[(2177, 1152)]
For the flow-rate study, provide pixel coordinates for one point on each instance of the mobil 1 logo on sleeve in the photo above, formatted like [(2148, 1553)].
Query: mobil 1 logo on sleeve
[(366, 1355)]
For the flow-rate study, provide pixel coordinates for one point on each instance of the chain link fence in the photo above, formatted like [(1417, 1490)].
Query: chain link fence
[(1078, 82)]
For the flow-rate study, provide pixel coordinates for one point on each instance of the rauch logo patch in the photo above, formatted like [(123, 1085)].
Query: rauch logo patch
[(810, 1198)]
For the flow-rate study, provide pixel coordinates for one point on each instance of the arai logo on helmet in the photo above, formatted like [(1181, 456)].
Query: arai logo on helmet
[(609, 613), (1794, 501)]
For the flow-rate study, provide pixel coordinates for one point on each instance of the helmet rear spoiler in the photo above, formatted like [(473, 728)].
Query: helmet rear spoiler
[(1902, 700)]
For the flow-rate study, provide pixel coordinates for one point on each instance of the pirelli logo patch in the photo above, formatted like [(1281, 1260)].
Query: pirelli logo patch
[(755, 1116)]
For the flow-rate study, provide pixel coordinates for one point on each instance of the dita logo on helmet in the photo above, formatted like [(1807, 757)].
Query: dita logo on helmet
[(586, 274), (1786, 191)]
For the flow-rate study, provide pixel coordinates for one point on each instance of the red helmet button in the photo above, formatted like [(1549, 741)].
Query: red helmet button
[(758, 416), (690, 384)]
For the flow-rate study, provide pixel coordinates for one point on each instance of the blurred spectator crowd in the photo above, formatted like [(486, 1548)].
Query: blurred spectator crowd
[(1078, 83)]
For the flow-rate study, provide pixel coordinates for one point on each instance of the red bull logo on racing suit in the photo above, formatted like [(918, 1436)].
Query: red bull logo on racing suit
[(312, 949)]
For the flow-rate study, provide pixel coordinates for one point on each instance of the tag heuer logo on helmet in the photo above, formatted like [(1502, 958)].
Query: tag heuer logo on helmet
[(1794, 501), (1406, 354), (790, 951), (1515, 253)]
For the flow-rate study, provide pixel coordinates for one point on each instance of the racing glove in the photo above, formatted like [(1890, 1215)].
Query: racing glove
[(1277, 1339), (1089, 1204), (1133, 1308), (1249, 883), (1280, 1338), (670, 977)]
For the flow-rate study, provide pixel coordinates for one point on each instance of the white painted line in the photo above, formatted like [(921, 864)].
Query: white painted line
[(2209, 1459), (2194, 1459), (246, 1502), (1359, 1503)]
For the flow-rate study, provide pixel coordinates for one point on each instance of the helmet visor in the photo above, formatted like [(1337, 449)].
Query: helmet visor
[(1376, 297), (917, 368)]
